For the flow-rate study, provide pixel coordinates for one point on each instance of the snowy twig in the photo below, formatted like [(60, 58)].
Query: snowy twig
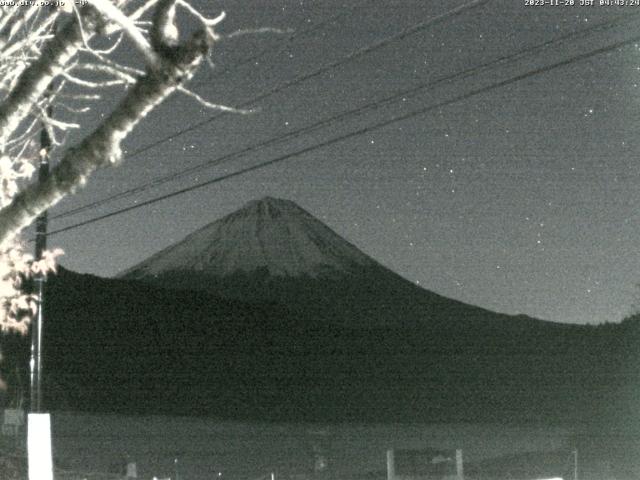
[(114, 14), (90, 84), (113, 71), (213, 106), (253, 31), (207, 23)]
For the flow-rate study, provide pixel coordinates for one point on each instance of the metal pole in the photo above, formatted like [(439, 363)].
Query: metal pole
[(39, 280), (459, 465), (391, 465)]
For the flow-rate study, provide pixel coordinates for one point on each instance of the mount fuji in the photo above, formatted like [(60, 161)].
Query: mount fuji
[(270, 235), (269, 314), (273, 250)]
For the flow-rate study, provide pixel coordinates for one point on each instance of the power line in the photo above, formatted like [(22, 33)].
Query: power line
[(315, 73), (294, 134), (362, 131), (341, 116), (296, 34)]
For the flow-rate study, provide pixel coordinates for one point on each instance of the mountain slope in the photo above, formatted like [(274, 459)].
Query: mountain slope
[(221, 324), (126, 346), (273, 235), (273, 250)]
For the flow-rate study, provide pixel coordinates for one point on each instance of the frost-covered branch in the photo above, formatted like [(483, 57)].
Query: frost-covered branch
[(37, 77), (102, 147), (113, 13), (52, 58), (211, 105), (256, 31)]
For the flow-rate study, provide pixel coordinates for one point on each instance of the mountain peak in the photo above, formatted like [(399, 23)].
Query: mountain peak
[(270, 207), (273, 202), (270, 235)]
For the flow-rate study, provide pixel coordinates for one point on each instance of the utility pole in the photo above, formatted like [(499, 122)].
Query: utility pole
[(39, 450), (39, 281), (575, 464)]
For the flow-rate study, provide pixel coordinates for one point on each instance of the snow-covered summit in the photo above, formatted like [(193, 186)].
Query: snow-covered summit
[(270, 234)]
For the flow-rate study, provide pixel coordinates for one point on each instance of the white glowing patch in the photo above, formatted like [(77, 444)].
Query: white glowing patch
[(39, 446)]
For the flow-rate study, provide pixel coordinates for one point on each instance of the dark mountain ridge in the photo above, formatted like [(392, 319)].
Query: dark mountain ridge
[(125, 346), (217, 325), (273, 250)]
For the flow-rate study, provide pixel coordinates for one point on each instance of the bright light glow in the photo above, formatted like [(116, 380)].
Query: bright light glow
[(39, 446)]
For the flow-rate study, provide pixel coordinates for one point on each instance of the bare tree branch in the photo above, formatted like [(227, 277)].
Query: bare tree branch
[(36, 78), (113, 13), (43, 64), (102, 147)]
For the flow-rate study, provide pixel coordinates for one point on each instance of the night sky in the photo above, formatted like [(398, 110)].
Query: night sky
[(520, 199)]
